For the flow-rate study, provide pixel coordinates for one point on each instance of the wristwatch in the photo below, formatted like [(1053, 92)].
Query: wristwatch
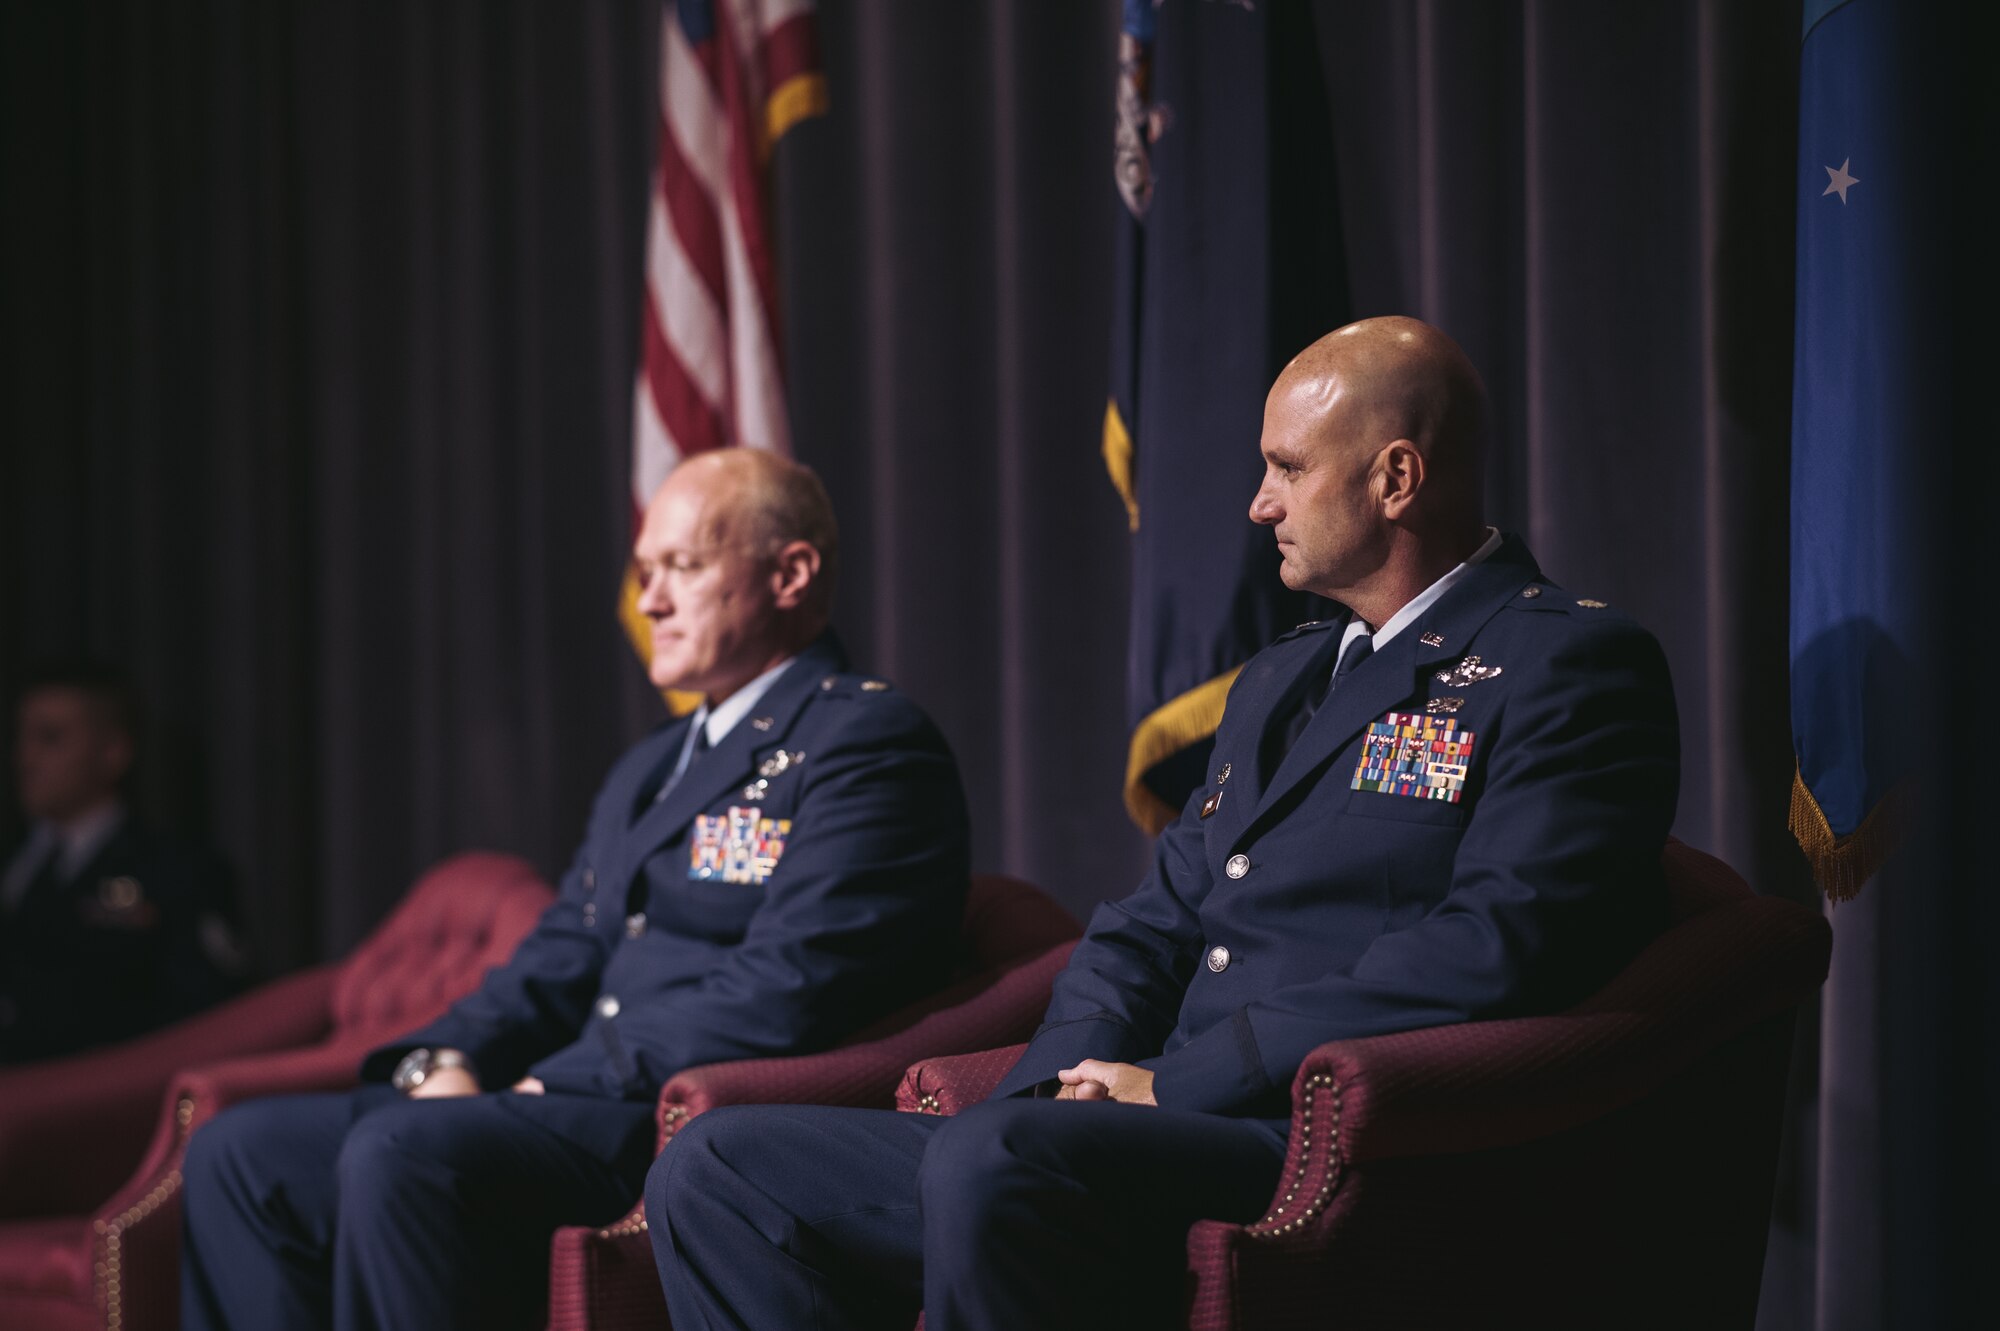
[(419, 1064)]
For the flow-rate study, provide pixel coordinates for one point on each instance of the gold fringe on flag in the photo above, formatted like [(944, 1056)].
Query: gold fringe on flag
[(800, 97), (1165, 731), (1118, 462), (1841, 865)]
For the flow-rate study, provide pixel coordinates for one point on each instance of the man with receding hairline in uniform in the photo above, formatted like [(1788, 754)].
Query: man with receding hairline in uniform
[(762, 877), (1446, 803)]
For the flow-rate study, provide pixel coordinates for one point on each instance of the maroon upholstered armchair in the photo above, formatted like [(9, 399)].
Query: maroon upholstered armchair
[(1610, 1165), (90, 1157), (1015, 940)]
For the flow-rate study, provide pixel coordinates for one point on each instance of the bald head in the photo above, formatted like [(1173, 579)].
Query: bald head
[(756, 498), (1379, 380), (1372, 441), (735, 562)]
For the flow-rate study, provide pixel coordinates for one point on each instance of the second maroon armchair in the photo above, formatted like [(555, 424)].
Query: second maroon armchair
[(1015, 940)]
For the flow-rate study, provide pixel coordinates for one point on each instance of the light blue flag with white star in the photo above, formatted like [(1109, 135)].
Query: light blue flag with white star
[(1864, 376)]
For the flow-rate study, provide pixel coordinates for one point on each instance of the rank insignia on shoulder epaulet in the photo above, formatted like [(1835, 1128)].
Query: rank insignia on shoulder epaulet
[(1589, 604)]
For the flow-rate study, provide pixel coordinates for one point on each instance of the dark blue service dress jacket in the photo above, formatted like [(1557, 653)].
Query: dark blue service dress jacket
[(1469, 827), (803, 878)]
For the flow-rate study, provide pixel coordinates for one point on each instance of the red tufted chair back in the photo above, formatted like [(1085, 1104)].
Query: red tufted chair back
[(1007, 920), (461, 919)]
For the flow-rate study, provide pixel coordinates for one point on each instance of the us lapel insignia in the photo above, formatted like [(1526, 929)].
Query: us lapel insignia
[(1423, 757), (740, 846), (1468, 671), (1214, 802), (1447, 703)]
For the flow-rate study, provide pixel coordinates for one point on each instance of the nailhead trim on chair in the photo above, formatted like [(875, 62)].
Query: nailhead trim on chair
[(109, 1272), (928, 1104), (1320, 1087), (631, 1224)]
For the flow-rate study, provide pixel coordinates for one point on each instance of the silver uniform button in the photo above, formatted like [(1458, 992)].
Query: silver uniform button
[(607, 1006), (635, 924), (1237, 866), (1530, 593), (1218, 958)]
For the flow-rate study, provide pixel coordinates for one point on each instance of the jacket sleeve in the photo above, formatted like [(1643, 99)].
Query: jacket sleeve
[(532, 1004), (1555, 884), (861, 915), (1120, 995)]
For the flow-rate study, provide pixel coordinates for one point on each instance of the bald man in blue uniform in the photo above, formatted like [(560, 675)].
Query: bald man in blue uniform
[(1445, 804), (763, 877)]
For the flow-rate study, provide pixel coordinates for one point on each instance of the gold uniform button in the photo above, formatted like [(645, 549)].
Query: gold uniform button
[(1218, 958), (607, 1006), (1237, 866)]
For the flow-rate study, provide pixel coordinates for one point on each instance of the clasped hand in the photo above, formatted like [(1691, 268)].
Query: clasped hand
[(1093, 1079)]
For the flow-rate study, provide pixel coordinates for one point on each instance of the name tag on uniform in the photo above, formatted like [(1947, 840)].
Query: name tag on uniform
[(1423, 757), (741, 846)]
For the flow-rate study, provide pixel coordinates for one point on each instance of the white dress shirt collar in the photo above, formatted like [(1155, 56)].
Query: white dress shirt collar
[(1423, 600)]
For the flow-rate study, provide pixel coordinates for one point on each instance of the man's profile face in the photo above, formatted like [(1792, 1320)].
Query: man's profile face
[(1315, 495), (711, 596), (68, 758)]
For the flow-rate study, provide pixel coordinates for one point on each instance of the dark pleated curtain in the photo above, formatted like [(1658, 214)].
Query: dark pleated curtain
[(320, 330), (321, 323)]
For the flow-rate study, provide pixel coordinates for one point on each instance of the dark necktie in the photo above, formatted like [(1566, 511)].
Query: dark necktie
[(672, 778), (1357, 651)]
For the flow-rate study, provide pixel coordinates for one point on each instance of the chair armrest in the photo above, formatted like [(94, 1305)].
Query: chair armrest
[(1480, 1086), (72, 1129), (947, 1085), (137, 1232), (1004, 1004), (1483, 1085)]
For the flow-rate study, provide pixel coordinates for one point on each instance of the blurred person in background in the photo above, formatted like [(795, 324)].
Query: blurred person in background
[(108, 928)]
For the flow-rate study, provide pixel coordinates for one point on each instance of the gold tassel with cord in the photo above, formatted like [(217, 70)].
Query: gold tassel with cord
[(1165, 731)]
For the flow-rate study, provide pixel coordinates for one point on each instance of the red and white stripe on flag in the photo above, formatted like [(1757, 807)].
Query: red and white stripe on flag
[(734, 76)]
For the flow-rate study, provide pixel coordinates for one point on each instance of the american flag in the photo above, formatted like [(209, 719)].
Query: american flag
[(734, 76)]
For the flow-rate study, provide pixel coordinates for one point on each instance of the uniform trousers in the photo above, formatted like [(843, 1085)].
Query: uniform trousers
[(1016, 1213), (370, 1210)]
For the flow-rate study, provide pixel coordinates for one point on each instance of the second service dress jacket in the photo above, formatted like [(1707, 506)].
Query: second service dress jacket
[(802, 878)]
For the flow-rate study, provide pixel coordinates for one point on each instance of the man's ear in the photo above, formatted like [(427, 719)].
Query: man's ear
[(1402, 476), (797, 569)]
